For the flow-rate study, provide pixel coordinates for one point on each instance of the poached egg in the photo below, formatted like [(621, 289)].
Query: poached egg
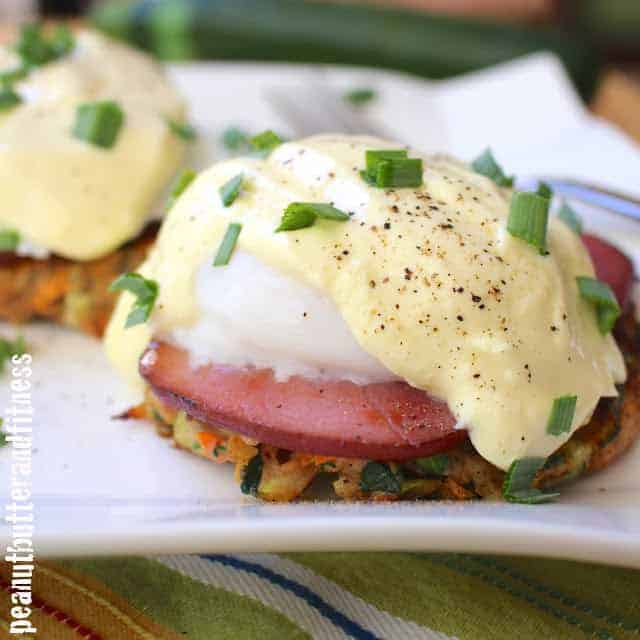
[(66, 196), (423, 285)]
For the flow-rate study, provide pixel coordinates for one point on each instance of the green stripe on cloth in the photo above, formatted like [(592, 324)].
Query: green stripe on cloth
[(588, 586), (473, 598), (463, 596), (197, 611)]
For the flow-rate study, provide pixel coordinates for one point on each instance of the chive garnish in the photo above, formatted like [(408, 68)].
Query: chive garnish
[(486, 165), (399, 173), (544, 190), (368, 178), (182, 129), (98, 123), (378, 477), (9, 240), (252, 476), (9, 99), (360, 96), (11, 76), (36, 49), (230, 190), (518, 483), (235, 139), (570, 218), (32, 47), (602, 297), (10, 348), (294, 219), (227, 245), (528, 218), (434, 465), (374, 156), (389, 168), (561, 418), (62, 41), (264, 143), (145, 292), (300, 215), (179, 185)]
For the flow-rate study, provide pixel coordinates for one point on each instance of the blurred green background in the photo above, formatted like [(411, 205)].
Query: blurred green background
[(433, 38)]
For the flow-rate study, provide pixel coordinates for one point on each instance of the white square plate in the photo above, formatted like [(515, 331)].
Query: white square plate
[(110, 487)]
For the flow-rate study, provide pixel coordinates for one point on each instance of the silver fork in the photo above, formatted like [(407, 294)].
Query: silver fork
[(319, 110)]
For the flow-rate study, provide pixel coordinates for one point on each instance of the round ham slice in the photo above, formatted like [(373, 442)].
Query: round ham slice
[(612, 267), (382, 421)]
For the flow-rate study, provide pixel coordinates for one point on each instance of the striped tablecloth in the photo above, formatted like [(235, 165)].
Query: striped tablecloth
[(331, 596)]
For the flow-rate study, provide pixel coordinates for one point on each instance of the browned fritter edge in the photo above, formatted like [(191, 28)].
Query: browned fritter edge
[(286, 475), (71, 293)]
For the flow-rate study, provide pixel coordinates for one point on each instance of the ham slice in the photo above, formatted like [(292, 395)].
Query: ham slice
[(612, 267), (382, 421)]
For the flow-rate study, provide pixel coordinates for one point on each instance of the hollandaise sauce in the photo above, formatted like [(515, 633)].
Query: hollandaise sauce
[(88, 140), (431, 278)]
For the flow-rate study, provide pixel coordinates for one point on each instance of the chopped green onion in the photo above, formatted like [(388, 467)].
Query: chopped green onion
[(360, 96), (13, 75), (544, 190), (300, 215), (518, 483), (434, 465), (378, 477), (600, 294), (145, 292), (62, 41), (325, 211), (9, 99), (570, 218), (227, 245), (9, 240), (182, 129), (230, 190), (561, 418), (388, 168), (399, 173), (252, 476), (36, 49), (486, 165), (10, 348), (32, 47), (3, 439), (368, 178), (234, 139), (292, 220), (179, 185), (374, 156), (265, 142), (98, 123), (528, 219)]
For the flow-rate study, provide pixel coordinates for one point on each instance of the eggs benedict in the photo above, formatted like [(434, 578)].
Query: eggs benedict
[(91, 131), (407, 324)]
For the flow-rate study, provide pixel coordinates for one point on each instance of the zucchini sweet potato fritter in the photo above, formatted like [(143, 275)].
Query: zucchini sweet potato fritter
[(74, 294), (460, 474)]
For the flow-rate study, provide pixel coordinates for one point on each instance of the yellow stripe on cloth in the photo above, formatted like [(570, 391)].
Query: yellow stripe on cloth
[(71, 606)]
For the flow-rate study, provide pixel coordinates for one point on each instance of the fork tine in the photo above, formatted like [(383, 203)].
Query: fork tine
[(304, 113), (352, 121), (289, 112), (319, 110)]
